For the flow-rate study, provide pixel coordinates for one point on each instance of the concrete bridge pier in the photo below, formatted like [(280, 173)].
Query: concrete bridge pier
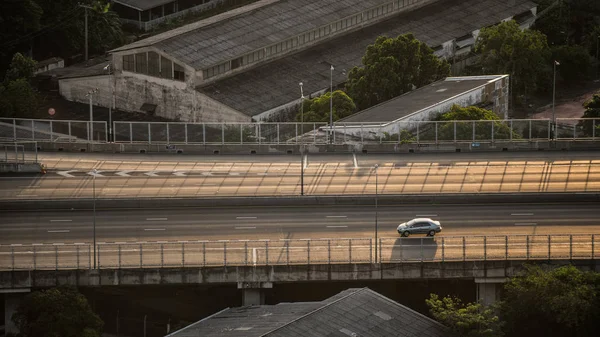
[(489, 289), (12, 299), (252, 292)]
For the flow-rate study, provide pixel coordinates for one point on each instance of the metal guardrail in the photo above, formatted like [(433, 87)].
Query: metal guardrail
[(299, 252), (414, 132)]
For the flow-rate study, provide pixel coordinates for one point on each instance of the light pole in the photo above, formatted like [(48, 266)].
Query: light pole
[(86, 28), (301, 112), (110, 102), (597, 59), (556, 63), (91, 128), (94, 171), (331, 105), (376, 210)]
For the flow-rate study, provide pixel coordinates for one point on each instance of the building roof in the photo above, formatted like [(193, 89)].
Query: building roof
[(259, 28), (142, 5), (276, 83), (360, 311), (421, 98)]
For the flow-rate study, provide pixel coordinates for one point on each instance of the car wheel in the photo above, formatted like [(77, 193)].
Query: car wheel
[(406, 234), (431, 233)]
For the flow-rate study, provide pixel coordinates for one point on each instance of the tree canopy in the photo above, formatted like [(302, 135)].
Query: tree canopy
[(391, 67), (317, 109), (592, 110), (524, 54), (17, 97), (58, 312), (465, 319), (557, 302)]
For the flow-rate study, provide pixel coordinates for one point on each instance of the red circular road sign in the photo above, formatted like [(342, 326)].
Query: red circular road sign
[(51, 111)]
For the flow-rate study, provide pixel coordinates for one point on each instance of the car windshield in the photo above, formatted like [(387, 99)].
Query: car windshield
[(411, 222)]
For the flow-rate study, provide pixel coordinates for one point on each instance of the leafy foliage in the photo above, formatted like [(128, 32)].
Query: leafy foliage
[(317, 109), (569, 22), (391, 67), (576, 64), (17, 97), (506, 49), (18, 18), (558, 302), (465, 320), (20, 67), (58, 312), (464, 131), (592, 110)]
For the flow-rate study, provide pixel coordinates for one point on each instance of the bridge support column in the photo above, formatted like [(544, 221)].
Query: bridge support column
[(489, 289), (12, 299), (252, 292)]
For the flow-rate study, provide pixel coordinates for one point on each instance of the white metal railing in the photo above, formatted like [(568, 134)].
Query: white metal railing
[(299, 252), (414, 132)]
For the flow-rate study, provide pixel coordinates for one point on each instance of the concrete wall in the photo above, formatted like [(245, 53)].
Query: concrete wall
[(18, 279)]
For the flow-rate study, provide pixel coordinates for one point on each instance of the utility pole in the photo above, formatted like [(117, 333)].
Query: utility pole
[(554, 131), (86, 7), (91, 128), (331, 105), (376, 211)]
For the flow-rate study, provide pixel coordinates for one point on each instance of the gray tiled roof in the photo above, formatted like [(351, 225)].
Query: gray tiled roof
[(415, 100), (260, 28), (143, 5), (276, 83), (362, 311)]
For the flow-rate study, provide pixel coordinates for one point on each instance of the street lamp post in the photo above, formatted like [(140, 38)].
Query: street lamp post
[(331, 105), (94, 171), (301, 112), (376, 211), (301, 140), (110, 102), (91, 128), (556, 63)]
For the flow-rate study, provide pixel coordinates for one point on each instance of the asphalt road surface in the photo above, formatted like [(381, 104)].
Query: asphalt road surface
[(131, 176), (276, 223)]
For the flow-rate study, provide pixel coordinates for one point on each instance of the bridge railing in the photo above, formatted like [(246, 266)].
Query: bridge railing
[(297, 252)]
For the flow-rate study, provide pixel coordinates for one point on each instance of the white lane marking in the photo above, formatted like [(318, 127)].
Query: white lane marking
[(425, 215), (152, 173), (123, 173), (519, 214), (180, 174), (254, 256), (337, 226), (79, 243), (61, 220), (245, 217), (156, 219), (336, 216), (305, 161), (95, 174), (59, 231), (154, 229), (16, 244), (355, 161), (58, 244), (66, 174), (245, 227), (525, 224), (27, 195)]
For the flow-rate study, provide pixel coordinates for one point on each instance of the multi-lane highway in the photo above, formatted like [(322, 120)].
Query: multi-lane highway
[(277, 223), (160, 176)]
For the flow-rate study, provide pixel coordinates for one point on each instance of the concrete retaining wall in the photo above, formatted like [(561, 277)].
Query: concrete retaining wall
[(322, 148), (163, 203), (276, 274), (20, 168)]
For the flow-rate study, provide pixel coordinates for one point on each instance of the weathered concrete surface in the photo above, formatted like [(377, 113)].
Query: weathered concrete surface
[(277, 274), (321, 148), (20, 168), (446, 198)]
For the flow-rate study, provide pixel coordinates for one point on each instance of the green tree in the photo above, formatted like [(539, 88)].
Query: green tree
[(58, 312), (568, 22), (391, 67), (576, 64), (18, 99), (18, 19), (524, 54), (20, 67), (465, 320), (317, 109), (592, 110), (464, 130), (557, 302)]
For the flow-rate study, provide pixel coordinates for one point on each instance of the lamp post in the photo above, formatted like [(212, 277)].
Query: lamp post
[(301, 112), (94, 171), (110, 102), (556, 63), (331, 105), (597, 59), (376, 210), (91, 128)]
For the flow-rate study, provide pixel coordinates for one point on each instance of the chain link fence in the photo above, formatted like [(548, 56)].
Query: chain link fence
[(297, 252)]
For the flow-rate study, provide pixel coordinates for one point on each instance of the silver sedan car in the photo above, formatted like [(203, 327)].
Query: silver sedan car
[(420, 226)]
